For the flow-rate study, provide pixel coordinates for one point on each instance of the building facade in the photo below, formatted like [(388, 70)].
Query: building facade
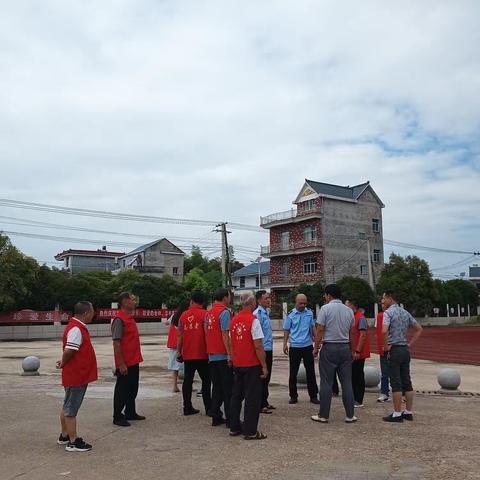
[(84, 261), (253, 277), (332, 232), (157, 258)]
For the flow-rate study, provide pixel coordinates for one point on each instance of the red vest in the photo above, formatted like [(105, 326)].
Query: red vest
[(380, 333), (130, 341), (82, 367), (213, 330), (172, 336), (365, 353), (244, 354), (191, 321)]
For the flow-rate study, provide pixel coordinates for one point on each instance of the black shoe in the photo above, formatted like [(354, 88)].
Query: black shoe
[(218, 421), (392, 419), (316, 401), (136, 417), (121, 422), (407, 416), (191, 411), (292, 401), (78, 446), (63, 440)]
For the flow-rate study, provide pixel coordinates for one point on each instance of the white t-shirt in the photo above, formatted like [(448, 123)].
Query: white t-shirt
[(257, 332), (74, 337)]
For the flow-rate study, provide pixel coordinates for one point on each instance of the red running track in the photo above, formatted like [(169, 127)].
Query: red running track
[(443, 344)]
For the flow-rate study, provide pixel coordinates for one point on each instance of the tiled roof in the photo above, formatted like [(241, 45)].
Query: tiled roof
[(351, 193), (252, 269), (91, 253)]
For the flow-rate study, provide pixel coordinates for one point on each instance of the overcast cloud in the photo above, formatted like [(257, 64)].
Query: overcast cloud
[(219, 110)]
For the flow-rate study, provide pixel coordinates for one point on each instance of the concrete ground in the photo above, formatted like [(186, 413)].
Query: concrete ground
[(442, 443)]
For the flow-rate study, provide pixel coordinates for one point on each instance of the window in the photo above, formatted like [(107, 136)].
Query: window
[(361, 235), (363, 270), (175, 270), (242, 282), (376, 225), (309, 205), (124, 264), (310, 265), (285, 240), (376, 255), (67, 262), (257, 282), (309, 233), (284, 269)]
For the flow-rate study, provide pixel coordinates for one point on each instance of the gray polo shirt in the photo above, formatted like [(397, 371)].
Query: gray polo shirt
[(398, 321), (338, 320)]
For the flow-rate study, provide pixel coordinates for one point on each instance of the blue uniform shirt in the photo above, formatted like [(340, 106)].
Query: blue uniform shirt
[(224, 326), (300, 325), (264, 319)]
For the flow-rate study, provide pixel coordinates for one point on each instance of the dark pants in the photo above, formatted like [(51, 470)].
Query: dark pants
[(222, 381), (266, 381), (296, 355), (247, 384), (335, 357), (335, 387), (358, 380), (385, 383), (200, 366), (126, 390), (398, 360)]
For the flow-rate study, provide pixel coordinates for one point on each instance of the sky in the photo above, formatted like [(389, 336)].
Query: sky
[(219, 110)]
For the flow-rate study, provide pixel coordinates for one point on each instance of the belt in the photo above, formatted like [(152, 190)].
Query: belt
[(336, 343), (398, 346)]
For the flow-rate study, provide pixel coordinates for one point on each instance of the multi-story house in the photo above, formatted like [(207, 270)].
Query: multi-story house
[(84, 261), (331, 232), (255, 276)]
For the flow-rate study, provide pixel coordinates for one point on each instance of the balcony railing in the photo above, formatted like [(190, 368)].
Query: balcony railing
[(291, 246), (276, 217)]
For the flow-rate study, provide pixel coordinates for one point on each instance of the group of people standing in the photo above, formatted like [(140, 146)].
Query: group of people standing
[(233, 355)]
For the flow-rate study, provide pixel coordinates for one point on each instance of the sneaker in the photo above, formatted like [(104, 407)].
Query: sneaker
[(358, 405), (407, 416), (314, 400), (383, 398), (121, 422), (390, 418), (351, 419), (292, 401), (78, 446), (319, 419), (63, 440), (191, 411)]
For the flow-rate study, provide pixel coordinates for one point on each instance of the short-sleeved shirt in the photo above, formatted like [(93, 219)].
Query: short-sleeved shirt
[(266, 324), (338, 320), (256, 330), (74, 337), (225, 327), (300, 326), (398, 321), (117, 329)]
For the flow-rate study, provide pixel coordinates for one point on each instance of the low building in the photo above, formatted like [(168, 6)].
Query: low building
[(474, 277), (255, 276), (157, 258), (84, 261)]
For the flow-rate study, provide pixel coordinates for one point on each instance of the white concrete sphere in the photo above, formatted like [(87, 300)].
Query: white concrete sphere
[(31, 364), (302, 375), (449, 378), (372, 376)]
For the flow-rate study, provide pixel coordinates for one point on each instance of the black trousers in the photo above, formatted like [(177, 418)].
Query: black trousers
[(296, 355), (247, 385), (222, 383), (126, 390), (190, 367), (358, 380), (266, 381), (335, 387)]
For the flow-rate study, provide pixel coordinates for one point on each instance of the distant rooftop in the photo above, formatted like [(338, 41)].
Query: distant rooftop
[(252, 269), (91, 253), (142, 248), (352, 193)]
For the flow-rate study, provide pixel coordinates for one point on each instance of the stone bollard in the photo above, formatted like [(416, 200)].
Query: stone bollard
[(372, 377), (30, 366), (302, 376), (449, 379)]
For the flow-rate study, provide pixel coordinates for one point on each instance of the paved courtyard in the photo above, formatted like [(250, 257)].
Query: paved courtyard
[(442, 443)]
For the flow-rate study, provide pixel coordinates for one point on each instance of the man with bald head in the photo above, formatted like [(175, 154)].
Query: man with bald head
[(298, 334)]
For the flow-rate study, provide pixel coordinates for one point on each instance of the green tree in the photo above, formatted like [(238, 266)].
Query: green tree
[(194, 280), (47, 289), (411, 280), (359, 291), (314, 293), (461, 292)]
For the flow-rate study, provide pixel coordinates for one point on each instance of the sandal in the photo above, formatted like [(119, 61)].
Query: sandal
[(265, 410), (257, 436)]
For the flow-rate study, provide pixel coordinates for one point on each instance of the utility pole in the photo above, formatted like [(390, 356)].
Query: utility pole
[(226, 277)]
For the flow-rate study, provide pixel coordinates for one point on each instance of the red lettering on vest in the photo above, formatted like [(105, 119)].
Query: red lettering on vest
[(213, 330), (82, 367), (130, 342), (244, 354), (192, 324), (365, 352)]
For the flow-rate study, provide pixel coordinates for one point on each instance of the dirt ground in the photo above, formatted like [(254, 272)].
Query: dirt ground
[(442, 443)]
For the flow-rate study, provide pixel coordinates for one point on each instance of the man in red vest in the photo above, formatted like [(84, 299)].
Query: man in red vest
[(250, 368), (361, 351), (128, 356), (192, 350), (79, 368), (217, 326)]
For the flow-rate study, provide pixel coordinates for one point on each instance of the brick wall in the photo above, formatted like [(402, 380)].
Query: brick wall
[(301, 207), (295, 268), (296, 234)]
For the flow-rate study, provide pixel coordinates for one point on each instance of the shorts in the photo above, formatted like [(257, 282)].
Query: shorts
[(73, 400), (398, 362), (172, 360)]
